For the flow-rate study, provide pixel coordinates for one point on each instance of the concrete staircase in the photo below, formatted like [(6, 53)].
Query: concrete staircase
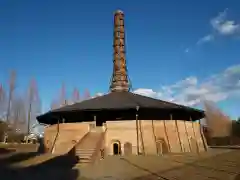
[(87, 149)]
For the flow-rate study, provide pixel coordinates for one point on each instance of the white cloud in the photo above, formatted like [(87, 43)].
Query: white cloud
[(187, 50), (205, 39), (146, 92), (221, 26), (191, 92), (97, 94), (224, 26)]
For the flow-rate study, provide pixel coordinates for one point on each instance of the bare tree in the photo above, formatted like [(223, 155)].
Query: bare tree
[(22, 122), (1, 93), (75, 96), (63, 99), (3, 130), (18, 114), (2, 102), (34, 104), (218, 123), (86, 95), (98, 95), (12, 86), (54, 105), (16, 105)]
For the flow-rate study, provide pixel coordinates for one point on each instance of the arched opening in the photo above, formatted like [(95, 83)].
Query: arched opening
[(161, 146), (127, 148), (116, 148)]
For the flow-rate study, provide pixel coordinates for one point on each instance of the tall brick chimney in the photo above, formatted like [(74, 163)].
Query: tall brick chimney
[(119, 80)]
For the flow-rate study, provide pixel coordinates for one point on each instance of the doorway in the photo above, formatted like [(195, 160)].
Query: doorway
[(116, 148), (99, 123), (162, 147)]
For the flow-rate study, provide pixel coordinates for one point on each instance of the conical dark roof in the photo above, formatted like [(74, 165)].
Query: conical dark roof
[(124, 101), (121, 100)]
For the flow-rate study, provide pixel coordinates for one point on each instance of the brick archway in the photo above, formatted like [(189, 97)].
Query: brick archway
[(116, 147), (161, 146)]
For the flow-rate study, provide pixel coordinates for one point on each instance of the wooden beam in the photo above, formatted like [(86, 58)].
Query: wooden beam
[(194, 133), (179, 139), (186, 132), (165, 131), (154, 137)]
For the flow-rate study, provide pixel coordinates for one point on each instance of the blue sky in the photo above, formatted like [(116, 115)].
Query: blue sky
[(183, 51)]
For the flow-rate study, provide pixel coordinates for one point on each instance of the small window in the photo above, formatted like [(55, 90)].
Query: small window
[(118, 34)]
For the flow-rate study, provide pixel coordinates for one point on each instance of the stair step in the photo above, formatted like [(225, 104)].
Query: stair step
[(87, 147), (85, 150), (84, 155), (85, 160)]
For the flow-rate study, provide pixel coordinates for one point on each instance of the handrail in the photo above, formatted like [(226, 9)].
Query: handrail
[(154, 136), (141, 137), (55, 140), (79, 141), (203, 137), (98, 146)]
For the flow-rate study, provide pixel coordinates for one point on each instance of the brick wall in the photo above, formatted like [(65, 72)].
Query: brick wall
[(69, 134), (154, 136), (176, 136)]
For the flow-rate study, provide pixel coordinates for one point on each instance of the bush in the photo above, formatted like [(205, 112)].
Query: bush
[(3, 129), (15, 137), (12, 135)]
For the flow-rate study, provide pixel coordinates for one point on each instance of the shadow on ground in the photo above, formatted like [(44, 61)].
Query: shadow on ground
[(223, 166), (237, 177), (57, 168)]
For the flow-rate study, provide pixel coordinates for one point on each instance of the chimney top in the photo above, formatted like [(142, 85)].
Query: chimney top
[(119, 12)]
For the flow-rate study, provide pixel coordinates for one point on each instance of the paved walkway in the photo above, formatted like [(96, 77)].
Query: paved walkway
[(216, 164)]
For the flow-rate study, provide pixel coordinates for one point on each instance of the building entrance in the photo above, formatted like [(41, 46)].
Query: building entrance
[(99, 123), (116, 148)]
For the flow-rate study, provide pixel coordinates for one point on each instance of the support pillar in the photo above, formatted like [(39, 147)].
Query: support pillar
[(179, 139), (167, 138), (194, 133), (137, 108)]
